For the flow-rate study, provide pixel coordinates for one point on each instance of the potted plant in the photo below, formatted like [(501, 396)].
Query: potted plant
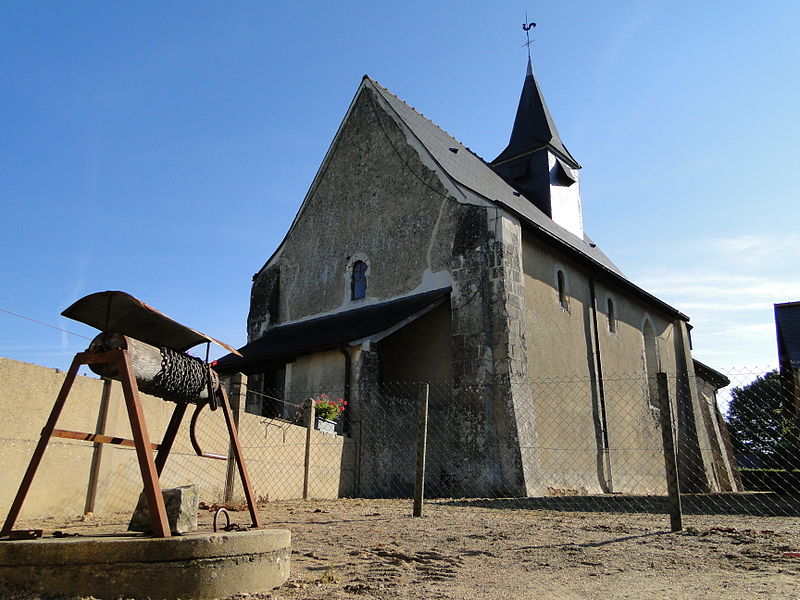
[(327, 411)]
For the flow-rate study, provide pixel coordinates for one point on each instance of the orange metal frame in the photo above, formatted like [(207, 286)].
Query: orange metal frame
[(150, 468)]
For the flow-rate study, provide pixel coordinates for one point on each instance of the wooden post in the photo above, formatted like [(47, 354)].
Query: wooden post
[(238, 399), (97, 451), (309, 428), (422, 435), (670, 461)]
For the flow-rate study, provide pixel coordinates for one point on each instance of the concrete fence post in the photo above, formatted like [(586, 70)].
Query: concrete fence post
[(670, 460), (310, 415), (422, 436), (237, 396)]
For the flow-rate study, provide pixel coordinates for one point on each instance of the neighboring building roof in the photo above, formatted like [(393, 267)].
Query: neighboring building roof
[(712, 376), (328, 332), (475, 179), (787, 323), (534, 127)]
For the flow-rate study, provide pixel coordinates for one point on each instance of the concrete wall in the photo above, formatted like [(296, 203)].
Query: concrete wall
[(274, 450), (26, 398), (61, 482)]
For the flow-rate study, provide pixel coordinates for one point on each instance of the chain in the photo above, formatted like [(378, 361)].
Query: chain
[(181, 378)]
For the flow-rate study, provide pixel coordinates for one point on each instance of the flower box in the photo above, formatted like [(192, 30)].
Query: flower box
[(325, 426)]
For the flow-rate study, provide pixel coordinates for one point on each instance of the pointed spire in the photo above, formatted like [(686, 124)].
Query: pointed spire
[(534, 127)]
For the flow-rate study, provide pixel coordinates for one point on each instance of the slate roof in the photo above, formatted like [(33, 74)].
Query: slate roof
[(534, 127), (787, 322), (327, 332), (476, 180), (476, 177), (714, 377)]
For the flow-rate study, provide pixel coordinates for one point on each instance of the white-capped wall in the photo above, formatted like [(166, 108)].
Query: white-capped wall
[(565, 201)]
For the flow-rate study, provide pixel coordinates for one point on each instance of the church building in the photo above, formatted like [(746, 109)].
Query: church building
[(412, 259)]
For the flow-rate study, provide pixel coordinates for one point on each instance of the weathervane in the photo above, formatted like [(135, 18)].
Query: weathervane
[(527, 27)]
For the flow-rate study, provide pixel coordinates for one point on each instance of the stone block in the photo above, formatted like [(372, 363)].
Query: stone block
[(182, 504)]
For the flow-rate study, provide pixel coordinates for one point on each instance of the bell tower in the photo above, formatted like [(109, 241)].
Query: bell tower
[(537, 164)]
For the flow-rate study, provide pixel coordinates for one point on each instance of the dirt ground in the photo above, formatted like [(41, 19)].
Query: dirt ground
[(364, 549)]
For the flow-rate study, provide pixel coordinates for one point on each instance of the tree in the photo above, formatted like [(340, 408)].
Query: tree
[(755, 422)]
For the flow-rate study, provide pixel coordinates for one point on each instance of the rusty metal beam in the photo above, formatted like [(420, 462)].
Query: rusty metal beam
[(169, 436), (97, 438), (147, 466), (237, 453)]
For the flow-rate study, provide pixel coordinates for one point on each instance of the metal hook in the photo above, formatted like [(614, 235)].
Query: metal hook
[(193, 435), (227, 519)]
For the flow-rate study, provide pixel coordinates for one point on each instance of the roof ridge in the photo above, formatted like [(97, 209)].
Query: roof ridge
[(783, 304)]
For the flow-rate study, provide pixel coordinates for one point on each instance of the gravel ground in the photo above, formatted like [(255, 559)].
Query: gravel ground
[(373, 549)]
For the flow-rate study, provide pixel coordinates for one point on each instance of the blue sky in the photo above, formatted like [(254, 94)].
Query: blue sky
[(164, 148)]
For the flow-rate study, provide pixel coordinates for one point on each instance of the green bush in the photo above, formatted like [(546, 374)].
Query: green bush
[(779, 481)]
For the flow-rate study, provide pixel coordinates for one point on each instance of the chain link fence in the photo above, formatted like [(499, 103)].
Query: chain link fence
[(563, 444)]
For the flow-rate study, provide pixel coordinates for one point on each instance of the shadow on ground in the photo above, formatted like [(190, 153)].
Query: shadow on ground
[(762, 504)]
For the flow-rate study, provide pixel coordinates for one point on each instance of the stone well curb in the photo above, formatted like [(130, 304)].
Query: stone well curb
[(199, 566)]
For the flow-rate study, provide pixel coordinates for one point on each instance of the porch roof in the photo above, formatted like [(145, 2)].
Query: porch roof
[(283, 342)]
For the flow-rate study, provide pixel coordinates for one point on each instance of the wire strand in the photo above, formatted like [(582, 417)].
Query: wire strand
[(296, 404), (45, 324)]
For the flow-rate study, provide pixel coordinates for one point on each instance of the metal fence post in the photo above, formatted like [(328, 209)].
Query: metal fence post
[(309, 428), (670, 460), (422, 434), (97, 451)]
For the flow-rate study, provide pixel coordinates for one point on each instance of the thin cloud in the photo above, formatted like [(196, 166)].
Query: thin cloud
[(728, 285)]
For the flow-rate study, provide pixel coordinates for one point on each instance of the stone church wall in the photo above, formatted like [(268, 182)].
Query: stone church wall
[(377, 200), (374, 200), (420, 351), (561, 352), (313, 374)]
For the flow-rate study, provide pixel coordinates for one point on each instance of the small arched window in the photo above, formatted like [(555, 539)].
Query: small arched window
[(651, 365), (358, 283), (562, 289), (612, 317)]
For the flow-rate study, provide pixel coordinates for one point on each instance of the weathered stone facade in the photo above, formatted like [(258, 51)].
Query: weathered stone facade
[(515, 299)]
